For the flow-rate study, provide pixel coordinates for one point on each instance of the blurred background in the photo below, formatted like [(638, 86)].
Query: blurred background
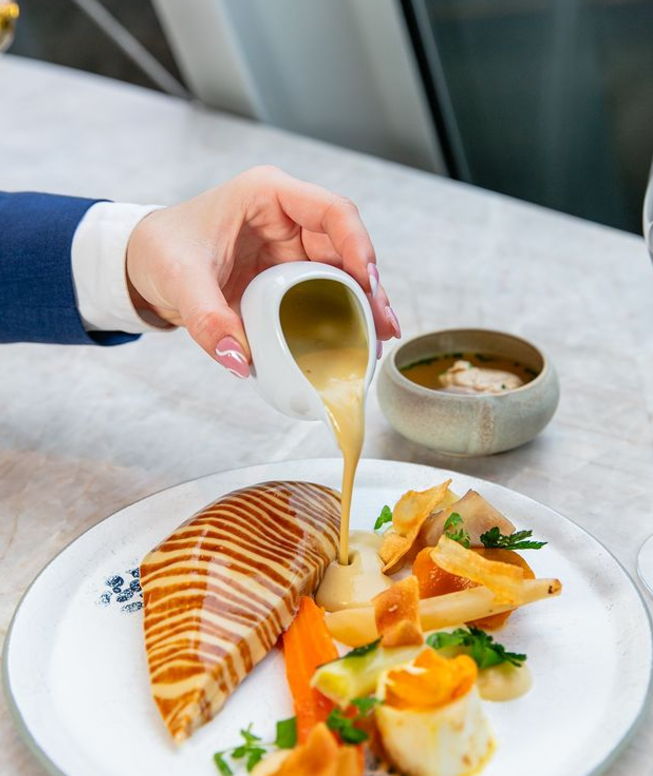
[(550, 101)]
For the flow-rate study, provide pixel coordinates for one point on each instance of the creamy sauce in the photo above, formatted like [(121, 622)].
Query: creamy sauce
[(324, 328), (344, 587), (504, 682), (470, 373)]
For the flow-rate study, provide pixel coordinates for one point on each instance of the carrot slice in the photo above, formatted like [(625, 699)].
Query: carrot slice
[(307, 644)]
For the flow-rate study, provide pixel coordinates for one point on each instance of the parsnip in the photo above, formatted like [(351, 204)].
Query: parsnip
[(356, 627)]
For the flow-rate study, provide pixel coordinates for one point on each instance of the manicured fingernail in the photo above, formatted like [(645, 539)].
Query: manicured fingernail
[(373, 272), (379, 349), (390, 315), (232, 357)]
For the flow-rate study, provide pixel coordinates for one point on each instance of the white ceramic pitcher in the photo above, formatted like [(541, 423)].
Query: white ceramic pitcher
[(276, 375)]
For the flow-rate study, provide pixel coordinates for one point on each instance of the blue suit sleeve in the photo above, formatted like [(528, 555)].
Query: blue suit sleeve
[(37, 297)]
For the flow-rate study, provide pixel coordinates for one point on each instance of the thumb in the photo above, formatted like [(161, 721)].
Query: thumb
[(215, 327)]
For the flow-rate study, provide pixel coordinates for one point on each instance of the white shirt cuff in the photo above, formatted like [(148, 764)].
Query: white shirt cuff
[(98, 256), (648, 215)]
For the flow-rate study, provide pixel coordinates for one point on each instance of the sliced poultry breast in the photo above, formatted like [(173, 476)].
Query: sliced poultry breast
[(220, 590)]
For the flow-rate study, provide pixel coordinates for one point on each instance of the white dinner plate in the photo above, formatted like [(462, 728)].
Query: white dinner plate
[(76, 677)]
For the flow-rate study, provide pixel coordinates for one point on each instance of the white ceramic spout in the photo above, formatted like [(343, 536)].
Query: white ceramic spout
[(275, 373)]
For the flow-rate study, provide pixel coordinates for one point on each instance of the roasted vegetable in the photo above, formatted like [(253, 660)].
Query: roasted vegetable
[(431, 720), (306, 645), (505, 580), (356, 674), (478, 516), (355, 627), (433, 580)]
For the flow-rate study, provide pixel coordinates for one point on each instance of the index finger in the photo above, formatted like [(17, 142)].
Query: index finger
[(320, 210)]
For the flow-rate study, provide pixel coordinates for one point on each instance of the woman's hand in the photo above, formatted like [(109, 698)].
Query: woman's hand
[(190, 263)]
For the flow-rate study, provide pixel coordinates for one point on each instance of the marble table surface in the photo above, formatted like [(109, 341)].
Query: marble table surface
[(85, 431)]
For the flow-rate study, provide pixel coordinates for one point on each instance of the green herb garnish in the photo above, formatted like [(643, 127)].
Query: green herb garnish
[(286, 733), (478, 644), (252, 750), (345, 726), (221, 763), (519, 540), (383, 518), (454, 529), (365, 705), (364, 650)]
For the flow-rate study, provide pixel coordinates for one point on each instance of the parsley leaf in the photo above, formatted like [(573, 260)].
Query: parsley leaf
[(519, 540), (364, 650), (286, 733), (480, 646), (248, 736), (254, 757), (252, 750), (218, 759), (345, 726), (383, 518), (461, 535), (446, 640), (365, 705)]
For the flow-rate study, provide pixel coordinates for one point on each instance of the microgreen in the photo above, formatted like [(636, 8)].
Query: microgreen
[(286, 733), (252, 750), (345, 725), (455, 530), (519, 540), (383, 518)]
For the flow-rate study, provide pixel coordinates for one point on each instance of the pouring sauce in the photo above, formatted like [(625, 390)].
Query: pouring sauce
[(325, 331)]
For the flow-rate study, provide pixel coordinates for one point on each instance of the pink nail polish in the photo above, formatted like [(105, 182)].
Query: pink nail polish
[(390, 315), (373, 272), (379, 349), (232, 357)]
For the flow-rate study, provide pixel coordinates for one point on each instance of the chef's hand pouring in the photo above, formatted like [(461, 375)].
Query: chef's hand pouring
[(190, 263)]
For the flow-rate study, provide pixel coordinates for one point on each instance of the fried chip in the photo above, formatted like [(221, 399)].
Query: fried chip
[(408, 516), (396, 612), (503, 579), (319, 756)]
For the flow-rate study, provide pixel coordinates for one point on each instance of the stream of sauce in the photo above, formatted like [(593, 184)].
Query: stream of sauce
[(324, 328)]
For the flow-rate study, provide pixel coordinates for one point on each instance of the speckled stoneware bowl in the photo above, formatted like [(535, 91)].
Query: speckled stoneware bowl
[(461, 424)]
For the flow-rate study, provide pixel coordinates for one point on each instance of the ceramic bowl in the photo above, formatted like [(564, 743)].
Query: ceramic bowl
[(461, 424), (275, 373)]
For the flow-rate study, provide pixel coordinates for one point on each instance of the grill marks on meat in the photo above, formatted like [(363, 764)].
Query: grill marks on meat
[(221, 589)]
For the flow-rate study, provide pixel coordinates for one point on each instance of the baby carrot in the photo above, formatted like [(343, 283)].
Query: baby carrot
[(307, 644)]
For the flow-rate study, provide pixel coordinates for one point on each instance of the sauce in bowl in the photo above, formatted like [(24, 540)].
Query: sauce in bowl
[(469, 373)]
